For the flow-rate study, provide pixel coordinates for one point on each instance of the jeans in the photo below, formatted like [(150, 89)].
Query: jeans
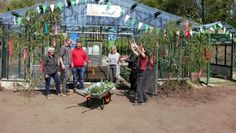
[(141, 92), (78, 75), (133, 77), (56, 78), (65, 78), (112, 73)]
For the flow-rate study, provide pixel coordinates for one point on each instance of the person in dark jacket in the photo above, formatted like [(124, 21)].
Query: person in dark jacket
[(51, 63), (141, 52), (133, 64)]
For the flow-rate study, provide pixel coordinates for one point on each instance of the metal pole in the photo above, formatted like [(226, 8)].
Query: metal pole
[(232, 58), (208, 64)]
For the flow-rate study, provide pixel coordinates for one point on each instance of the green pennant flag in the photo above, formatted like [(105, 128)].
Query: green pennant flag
[(73, 2), (59, 5), (44, 8), (19, 20), (215, 27), (45, 28), (122, 11), (133, 21), (146, 27), (109, 5), (158, 30)]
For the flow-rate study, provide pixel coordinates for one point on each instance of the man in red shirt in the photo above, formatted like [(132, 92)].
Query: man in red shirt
[(78, 58)]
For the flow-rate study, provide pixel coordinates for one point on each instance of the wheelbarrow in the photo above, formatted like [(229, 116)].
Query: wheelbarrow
[(102, 98)]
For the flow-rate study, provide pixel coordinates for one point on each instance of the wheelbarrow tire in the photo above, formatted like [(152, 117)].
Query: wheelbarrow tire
[(107, 98), (101, 103)]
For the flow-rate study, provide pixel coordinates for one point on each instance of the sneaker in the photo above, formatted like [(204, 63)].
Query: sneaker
[(139, 103), (69, 90), (48, 97), (61, 94), (145, 100)]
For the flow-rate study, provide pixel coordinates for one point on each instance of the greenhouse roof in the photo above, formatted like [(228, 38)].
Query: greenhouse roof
[(222, 33), (106, 13)]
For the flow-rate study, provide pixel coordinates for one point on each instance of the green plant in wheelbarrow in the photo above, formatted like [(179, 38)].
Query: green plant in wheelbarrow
[(101, 88)]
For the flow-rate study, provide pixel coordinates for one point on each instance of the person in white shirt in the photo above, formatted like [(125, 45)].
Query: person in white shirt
[(113, 61)]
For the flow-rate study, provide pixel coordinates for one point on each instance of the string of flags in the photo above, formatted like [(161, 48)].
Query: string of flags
[(139, 25)]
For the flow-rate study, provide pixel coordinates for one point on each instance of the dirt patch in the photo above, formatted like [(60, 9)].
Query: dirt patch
[(171, 88), (162, 114)]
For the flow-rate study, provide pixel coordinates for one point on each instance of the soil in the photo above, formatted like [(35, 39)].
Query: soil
[(205, 110)]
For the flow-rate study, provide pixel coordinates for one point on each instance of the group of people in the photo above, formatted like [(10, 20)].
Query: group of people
[(141, 65), (70, 60)]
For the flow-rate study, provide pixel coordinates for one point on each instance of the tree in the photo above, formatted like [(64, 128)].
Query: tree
[(16, 4), (203, 11)]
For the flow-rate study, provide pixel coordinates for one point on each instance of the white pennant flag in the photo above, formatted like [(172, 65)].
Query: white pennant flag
[(201, 29), (230, 36), (38, 9), (224, 30), (66, 4), (151, 28), (140, 24), (77, 2), (127, 17), (100, 1), (52, 7), (28, 18), (191, 32), (14, 20), (220, 25), (212, 29)]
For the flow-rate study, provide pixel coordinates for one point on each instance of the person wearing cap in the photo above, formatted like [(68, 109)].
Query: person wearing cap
[(65, 60), (113, 61), (51, 71), (78, 57)]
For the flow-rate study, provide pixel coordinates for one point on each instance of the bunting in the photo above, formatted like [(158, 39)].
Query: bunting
[(127, 17), (220, 25), (38, 9), (25, 53), (146, 28), (109, 5), (140, 24), (19, 20), (52, 7), (187, 29), (77, 2), (65, 2), (133, 21), (73, 3), (45, 28), (122, 11), (55, 28), (14, 20), (44, 8), (59, 5)]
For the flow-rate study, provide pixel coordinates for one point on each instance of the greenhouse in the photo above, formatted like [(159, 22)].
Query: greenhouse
[(27, 33), (223, 49)]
